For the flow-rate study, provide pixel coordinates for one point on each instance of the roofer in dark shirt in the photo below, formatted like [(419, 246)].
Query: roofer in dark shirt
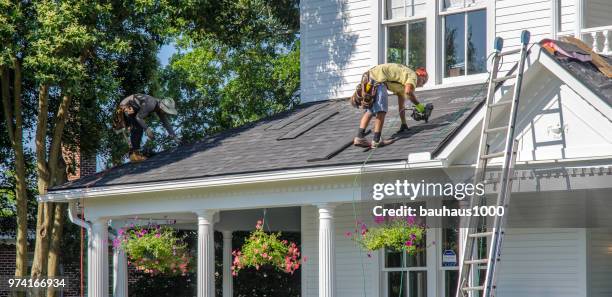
[(130, 117)]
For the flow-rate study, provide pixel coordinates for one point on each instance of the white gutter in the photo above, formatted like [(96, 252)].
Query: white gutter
[(277, 176)]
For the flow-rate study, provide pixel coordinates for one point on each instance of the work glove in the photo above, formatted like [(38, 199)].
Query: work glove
[(150, 133)]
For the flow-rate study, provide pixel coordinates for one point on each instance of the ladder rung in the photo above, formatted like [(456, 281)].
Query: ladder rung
[(496, 129), (482, 234), (493, 155), (500, 103), (479, 288), (510, 52), (504, 78), (478, 261)]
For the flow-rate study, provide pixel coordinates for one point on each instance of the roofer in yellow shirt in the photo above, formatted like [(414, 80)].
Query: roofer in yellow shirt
[(371, 95)]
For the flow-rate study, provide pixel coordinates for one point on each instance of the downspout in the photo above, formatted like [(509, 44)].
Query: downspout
[(72, 211), (74, 219)]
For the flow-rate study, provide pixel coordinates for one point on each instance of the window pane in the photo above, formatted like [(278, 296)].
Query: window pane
[(395, 9), (393, 259), (418, 284), (454, 42), (397, 284), (451, 277), (477, 42), (418, 260), (396, 48), (416, 44)]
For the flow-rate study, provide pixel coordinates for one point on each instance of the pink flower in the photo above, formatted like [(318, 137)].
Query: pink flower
[(348, 234), (379, 219), (408, 243)]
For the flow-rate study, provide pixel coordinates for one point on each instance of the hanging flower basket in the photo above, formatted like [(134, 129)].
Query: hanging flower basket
[(154, 250), (262, 249), (398, 234)]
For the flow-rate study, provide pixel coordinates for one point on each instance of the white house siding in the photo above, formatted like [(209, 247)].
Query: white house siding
[(336, 46), (355, 272), (600, 262), (597, 13), (542, 263), (514, 16)]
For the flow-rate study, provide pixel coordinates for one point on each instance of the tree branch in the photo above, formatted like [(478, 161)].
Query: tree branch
[(58, 130)]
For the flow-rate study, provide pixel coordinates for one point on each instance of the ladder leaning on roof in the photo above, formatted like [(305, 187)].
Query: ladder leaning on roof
[(469, 267)]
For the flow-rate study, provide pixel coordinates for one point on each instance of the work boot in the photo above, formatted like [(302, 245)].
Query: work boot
[(137, 157), (361, 142), (381, 143)]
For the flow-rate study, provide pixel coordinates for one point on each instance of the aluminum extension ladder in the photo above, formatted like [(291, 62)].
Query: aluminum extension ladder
[(470, 278)]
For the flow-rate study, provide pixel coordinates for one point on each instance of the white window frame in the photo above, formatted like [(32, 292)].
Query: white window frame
[(406, 22), (384, 21), (385, 273), (470, 7), (466, 78)]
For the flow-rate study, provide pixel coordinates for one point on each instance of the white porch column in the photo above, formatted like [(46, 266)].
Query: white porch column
[(120, 273), (228, 290), (327, 259), (97, 282), (206, 254)]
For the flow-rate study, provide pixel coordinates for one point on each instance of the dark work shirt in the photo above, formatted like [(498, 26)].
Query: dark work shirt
[(144, 105)]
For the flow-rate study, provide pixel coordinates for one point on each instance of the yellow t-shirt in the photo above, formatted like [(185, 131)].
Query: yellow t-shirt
[(395, 76)]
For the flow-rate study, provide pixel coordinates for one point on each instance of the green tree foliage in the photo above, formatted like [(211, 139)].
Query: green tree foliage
[(219, 87)]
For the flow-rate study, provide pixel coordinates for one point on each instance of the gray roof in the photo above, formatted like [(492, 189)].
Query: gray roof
[(587, 73), (311, 135)]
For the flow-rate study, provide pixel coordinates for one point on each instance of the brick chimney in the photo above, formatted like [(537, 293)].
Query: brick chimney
[(83, 164)]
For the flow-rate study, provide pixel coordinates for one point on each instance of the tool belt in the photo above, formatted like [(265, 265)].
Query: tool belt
[(366, 92)]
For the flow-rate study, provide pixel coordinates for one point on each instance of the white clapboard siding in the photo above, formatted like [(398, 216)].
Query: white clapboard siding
[(597, 13), (514, 16), (337, 40), (542, 263), (354, 270), (600, 253)]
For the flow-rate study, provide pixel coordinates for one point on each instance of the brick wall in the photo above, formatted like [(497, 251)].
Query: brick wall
[(7, 264)]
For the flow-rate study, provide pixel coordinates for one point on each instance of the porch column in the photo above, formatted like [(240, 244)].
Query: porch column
[(327, 260), (206, 254), (97, 282), (120, 273), (228, 290)]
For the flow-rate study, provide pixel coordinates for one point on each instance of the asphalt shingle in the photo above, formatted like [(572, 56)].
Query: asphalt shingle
[(255, 148)]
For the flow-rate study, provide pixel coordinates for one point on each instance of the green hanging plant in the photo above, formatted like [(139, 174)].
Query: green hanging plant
[(263, 248), (154, 250), (398, 234)]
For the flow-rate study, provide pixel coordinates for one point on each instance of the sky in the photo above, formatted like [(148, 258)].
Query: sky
[(165, 53)]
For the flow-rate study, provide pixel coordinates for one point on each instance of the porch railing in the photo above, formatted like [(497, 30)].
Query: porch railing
[(598, 38)]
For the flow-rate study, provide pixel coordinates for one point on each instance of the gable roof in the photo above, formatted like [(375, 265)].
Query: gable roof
[(584, 77), (315, 134)]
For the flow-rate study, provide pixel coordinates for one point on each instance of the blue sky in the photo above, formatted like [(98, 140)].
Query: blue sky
[(165, 53)]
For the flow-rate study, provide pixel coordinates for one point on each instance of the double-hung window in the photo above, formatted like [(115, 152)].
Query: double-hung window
[(405, 39), (405, 275), (464, 37)]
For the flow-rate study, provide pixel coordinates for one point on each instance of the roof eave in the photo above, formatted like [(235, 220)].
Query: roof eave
[(224, 181)]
